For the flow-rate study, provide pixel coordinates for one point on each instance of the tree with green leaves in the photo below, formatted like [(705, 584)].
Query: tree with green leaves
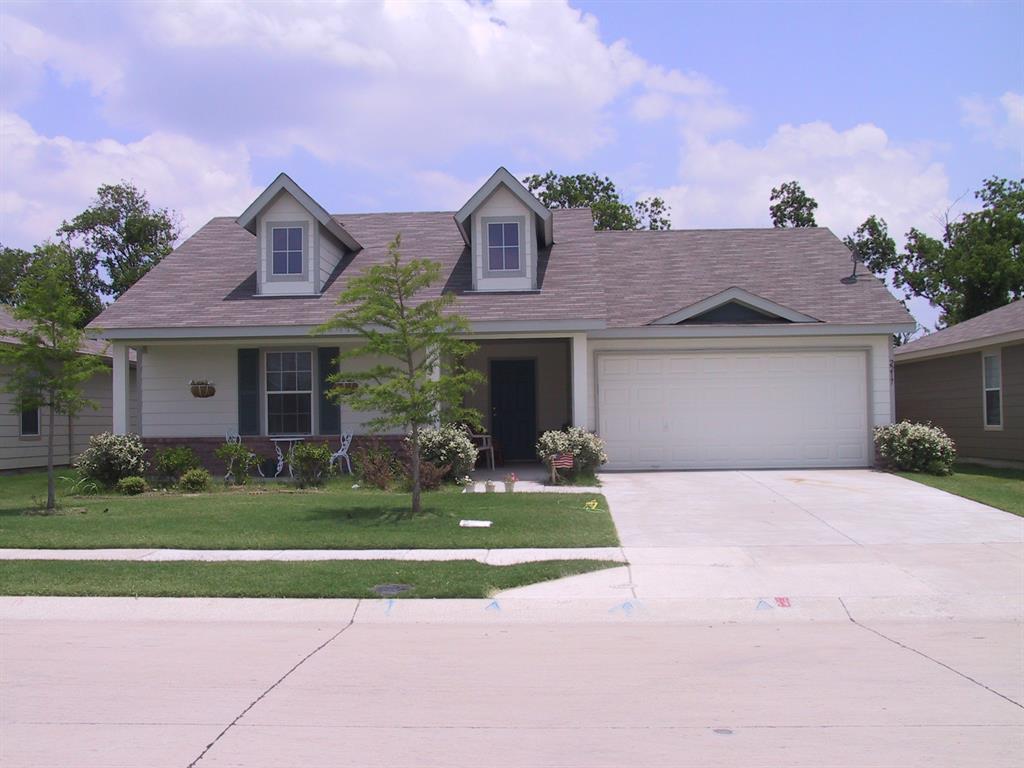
[(45, 367), (13, 265), (588, 190), (791, 206), (976, 266), (123, 233), (872, 245), (409, 337)]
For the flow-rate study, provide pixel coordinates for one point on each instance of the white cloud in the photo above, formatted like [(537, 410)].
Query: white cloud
[(47, 179), (997, 121), (851, 173)]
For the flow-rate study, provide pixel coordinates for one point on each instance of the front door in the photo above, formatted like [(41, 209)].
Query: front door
[(514, 408)]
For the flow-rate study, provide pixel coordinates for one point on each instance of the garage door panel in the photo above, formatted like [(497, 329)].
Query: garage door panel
[(720, 410)]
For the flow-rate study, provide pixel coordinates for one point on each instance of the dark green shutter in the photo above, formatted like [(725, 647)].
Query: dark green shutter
[(330, 412), (248, 391)]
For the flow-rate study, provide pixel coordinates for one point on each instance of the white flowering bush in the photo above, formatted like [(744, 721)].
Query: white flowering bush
[(109, 458), (587, 449), (448, 446), (916, 447)]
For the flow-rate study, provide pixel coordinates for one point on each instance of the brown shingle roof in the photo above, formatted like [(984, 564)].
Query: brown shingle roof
[(1007, 319), (8, 324), (622, 278)]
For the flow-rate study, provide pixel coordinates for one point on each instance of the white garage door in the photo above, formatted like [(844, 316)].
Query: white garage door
[(712, 410)]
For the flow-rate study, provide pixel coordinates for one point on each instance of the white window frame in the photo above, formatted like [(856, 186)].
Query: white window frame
[(39, 423), (488, 222), (985, 388), (266, 393)]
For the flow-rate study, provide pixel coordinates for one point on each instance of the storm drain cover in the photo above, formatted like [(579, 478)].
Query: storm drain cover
[(390, 590)]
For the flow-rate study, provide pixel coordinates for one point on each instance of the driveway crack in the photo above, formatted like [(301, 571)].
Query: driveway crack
[(803, 509), (280, 680), (932, 659)]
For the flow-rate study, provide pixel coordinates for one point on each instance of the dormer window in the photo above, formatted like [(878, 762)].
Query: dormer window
[(503, 238), (287, 250)]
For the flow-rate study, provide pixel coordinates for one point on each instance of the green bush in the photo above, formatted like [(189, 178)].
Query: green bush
[(131, 486), (111, 457), (587, 449), (448, 446), (169, 464), (916, 447), (195, 481), (375, 464), (239, 460), (310, 463)]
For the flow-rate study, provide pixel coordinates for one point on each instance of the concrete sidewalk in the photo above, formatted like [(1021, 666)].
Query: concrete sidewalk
[(489, 556)]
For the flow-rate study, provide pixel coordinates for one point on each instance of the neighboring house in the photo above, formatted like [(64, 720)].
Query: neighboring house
[(683, 349), (969, 379), (24, 433)]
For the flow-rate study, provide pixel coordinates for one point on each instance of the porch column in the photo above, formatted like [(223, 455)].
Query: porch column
[(121, 387), (580, 382), (435, 375)]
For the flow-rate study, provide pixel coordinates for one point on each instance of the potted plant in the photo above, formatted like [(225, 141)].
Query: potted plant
[(467, 484), (202, 388), (510, 482), (489, 486)]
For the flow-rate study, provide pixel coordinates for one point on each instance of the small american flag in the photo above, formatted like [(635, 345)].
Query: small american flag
[(562, 461)]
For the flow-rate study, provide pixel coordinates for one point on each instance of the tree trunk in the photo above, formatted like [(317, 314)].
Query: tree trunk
[(414, 468), (51, 490)]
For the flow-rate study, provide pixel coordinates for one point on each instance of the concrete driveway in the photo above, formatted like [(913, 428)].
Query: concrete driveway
[(855, 534)]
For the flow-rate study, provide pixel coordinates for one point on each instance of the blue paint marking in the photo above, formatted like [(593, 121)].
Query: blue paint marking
[(391, 604), (627, 608), (493, 606), (763, 605)]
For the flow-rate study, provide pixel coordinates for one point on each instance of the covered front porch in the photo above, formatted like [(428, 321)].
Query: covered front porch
[(531, 385)]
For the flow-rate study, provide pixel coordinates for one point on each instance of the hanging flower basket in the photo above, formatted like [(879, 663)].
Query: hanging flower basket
[(202, 388), (348, 385)]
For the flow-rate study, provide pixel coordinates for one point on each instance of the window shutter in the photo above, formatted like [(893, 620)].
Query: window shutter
[(330, 411), (249, 392)]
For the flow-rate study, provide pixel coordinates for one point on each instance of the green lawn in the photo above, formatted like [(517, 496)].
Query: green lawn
[(335, 578), (267, 516), (1002, 488)]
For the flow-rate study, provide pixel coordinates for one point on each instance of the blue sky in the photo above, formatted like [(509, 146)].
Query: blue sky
[(894, 109)]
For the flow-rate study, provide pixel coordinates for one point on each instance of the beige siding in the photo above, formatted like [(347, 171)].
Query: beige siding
[(948, 391), (18, 452), (286, 209), (503, 203), (330, 255)]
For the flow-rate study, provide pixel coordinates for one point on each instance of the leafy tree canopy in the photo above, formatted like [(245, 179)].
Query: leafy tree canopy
[(588, 190), (81, 277), (419, 345), (124, 233), (791, 206)]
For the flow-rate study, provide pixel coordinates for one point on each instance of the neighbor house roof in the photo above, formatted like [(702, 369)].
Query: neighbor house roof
[(1004, 323), (8, 325), (593, 279)]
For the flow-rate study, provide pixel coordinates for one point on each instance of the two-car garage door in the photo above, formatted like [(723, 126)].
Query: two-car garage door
[(719, 410)]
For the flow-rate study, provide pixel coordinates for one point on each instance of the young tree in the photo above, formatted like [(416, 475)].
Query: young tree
[(409, 338), (124, 233), (792, 207), (977, 266), (46, 369), (588, 190)]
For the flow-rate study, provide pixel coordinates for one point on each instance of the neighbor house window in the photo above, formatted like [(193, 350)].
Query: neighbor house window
[(993, 389), (30, 422), (289, 393), (287, 250), (503, 246)]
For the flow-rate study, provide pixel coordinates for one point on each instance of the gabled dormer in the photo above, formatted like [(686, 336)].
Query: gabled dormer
[(505, 228), (298, 243)]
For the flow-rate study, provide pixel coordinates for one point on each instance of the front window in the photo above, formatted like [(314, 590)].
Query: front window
[(503, 246), (993, 389), (289, 393), (30, 422), (287, 250)]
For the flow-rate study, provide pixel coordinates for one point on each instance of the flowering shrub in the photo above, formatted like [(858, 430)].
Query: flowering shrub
[(587, 449), (170, 464), (131, 486), (311, 463), (195, 481), (110, 457), (448, 446), (916, 447)]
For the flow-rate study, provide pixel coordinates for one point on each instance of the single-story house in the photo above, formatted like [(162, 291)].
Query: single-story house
[(969, 380), (682, 349), (24, 432)]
